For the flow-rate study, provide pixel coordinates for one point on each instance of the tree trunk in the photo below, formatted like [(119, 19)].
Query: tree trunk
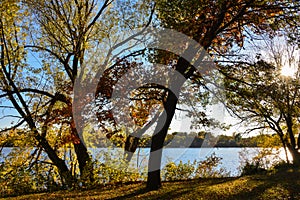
[(186, 70), (132, 141), (292, 145), (161, 130), (295, 155), (290, 131), (84, 159), (131, 145), (63, 170), (154, 179), (298, 142), (280, 134)]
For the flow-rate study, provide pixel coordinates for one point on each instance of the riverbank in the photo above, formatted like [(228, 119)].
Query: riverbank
[(281, 185)]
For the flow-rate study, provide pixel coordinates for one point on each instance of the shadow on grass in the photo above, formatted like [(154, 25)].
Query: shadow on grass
[(279, 185), (275, 186), (172, 189), (131, 195)]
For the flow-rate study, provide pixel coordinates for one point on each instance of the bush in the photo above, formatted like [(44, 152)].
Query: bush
[(252, 168), (207, 168), (20, 176), (178, 172), (281, 166), (109, 168), (264, 160)]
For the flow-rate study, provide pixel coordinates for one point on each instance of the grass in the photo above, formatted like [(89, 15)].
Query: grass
[(280, 185)]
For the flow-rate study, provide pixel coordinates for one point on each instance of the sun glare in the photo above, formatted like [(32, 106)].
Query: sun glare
[(288, 71)]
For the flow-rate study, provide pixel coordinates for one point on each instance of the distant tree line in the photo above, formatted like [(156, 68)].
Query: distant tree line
[(184, 139), (207, 139)]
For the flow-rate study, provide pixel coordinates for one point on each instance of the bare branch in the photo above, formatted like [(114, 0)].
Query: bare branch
[(13, 127)]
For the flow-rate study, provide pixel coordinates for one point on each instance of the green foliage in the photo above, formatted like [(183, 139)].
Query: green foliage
[(111, 168), (178, 139), (182, 171), (208, 168), (265, 159), (220, 24), (19, 175), (22, 173), (67, 35), (16, 182)]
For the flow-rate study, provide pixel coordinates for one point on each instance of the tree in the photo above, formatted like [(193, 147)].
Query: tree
[(13, 87), (217, 26), (261, 92), (66, 34)]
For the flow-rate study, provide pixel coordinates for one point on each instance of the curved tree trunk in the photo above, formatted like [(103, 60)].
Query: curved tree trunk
[(161, 130), (186, 70), (154, 179), (132, 140)]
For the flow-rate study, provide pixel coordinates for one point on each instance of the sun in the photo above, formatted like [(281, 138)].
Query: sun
[(288, 71)]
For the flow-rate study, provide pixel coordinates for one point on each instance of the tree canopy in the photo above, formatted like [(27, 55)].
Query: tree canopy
[(262, 93)]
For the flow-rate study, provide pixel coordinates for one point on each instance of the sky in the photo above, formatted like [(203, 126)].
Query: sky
[(181, 123)]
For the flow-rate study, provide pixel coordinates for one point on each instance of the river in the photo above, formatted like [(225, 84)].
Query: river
[(231, 157)]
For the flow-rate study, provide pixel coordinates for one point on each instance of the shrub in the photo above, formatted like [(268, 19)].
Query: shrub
[(264, 160), (109, 168), (283, 166), (20, 176), (207, 168), (182, 171), (252, 168)]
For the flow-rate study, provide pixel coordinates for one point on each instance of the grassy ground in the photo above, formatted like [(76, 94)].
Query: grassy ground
[(280, 185)]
